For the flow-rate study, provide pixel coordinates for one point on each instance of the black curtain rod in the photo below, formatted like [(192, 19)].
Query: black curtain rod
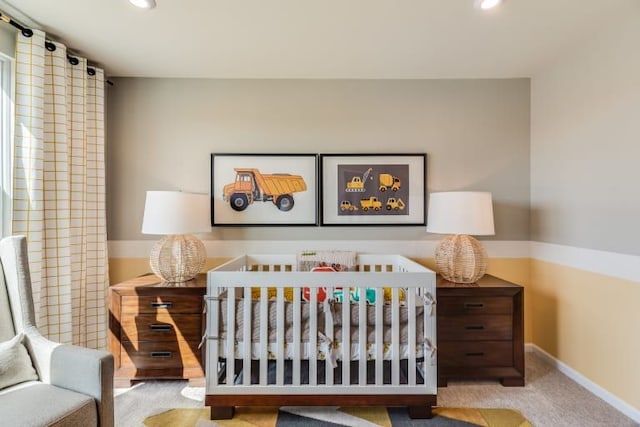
[(50, 46), (27, 32)]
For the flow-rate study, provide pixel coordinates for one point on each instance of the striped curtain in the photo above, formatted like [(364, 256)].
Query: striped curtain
[(59, 190)]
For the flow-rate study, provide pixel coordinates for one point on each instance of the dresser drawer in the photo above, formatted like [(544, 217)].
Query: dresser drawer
[(475, 353), (151, 355), (462, 305), (162, 327), (162, 304), (475, 327)]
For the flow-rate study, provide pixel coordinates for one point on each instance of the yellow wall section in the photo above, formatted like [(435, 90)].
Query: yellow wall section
[(590, 322)]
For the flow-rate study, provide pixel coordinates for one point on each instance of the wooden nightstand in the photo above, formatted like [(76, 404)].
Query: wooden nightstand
[(155, 329), (480, 331)]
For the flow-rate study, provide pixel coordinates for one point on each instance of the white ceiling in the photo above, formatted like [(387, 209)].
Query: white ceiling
[(321, 38)]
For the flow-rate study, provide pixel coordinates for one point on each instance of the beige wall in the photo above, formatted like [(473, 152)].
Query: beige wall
[(161, 132), (585, 144), (585, 147)]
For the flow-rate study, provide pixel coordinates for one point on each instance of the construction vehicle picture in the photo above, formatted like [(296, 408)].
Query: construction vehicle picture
[(370, 203), (395, 204), (388, 181), (346, 205), (251, 185), (356, 185)]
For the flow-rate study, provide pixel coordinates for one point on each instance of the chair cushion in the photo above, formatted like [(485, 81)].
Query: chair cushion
[(44, 404), (15, 364)]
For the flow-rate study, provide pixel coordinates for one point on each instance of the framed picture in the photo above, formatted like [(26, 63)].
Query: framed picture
[(264, 189), (373, 189)]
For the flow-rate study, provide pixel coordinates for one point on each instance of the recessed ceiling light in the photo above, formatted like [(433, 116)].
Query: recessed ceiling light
[(143, 4), (487, 4)]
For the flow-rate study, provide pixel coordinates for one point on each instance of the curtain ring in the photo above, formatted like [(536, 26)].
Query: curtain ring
[(72, 60), (51, 47), (27, 32), (91, 71)]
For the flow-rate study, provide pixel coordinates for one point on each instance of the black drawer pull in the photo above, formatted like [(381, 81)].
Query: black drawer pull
[(156, 327), (474, 327), (473, 305), (161, 304), (161, 354), (479, 353)]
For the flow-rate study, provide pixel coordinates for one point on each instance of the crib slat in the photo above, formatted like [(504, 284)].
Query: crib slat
[(329, 327), (346, 335), (246, 336), (379, 335), (427, 311), (411, 305), (264, 335), (231, 334), (395, 336), (296, 336), (280, 344), (362, 337), (313, 337), (213, 347)]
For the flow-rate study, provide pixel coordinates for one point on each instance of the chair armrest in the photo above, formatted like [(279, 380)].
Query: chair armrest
[(76, 368), (86, 371)]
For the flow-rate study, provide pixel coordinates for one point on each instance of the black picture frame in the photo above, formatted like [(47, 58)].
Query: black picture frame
[(266, 189), (373, 189)]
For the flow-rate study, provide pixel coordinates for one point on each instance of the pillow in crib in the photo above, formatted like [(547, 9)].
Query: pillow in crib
[(272, 293), (388, 294), (320, 292), (354, 295), (15, 363)]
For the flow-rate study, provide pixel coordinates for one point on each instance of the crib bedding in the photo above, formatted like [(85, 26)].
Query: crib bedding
[(325, 350), (326, 347)]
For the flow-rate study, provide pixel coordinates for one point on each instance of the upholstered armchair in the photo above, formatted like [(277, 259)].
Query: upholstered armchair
[(43, 383)]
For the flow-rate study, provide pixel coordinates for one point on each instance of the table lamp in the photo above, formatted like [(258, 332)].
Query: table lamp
[(179, 255), (459, 257)]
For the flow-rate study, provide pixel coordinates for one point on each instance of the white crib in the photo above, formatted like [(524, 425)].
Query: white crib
[(298, 341)]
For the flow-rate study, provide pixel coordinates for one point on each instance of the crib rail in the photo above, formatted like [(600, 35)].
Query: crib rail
[(259, 343)]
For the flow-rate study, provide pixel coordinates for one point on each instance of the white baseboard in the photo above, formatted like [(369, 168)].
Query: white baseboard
[(594, 388)]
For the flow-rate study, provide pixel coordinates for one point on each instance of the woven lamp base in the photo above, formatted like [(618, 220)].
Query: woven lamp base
[(461, 259), (177, 258)]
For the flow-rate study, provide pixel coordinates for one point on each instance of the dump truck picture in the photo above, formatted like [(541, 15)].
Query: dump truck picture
[(356, 185), (388, 181), (370, 203), (395, 204), (346, 205), (251, 185)]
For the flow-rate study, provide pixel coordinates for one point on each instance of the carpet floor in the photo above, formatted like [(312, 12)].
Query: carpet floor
[(549, 398)]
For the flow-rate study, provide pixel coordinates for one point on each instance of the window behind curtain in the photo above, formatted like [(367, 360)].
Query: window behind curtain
[(6, 133)]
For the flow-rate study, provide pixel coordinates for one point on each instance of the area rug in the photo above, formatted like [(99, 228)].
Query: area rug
[(339, 416)]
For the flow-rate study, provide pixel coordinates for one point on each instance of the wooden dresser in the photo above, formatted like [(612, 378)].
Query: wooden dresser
[(480, 331), (155, 329)]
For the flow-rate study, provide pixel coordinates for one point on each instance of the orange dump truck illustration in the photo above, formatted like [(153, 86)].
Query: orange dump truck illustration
[(251, 185)]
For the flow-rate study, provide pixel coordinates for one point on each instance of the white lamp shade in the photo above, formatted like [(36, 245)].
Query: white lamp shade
[(175, 212), (461, 212)]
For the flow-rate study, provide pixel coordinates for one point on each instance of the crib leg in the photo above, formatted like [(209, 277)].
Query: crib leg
[(222, 412), (420, 412)]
